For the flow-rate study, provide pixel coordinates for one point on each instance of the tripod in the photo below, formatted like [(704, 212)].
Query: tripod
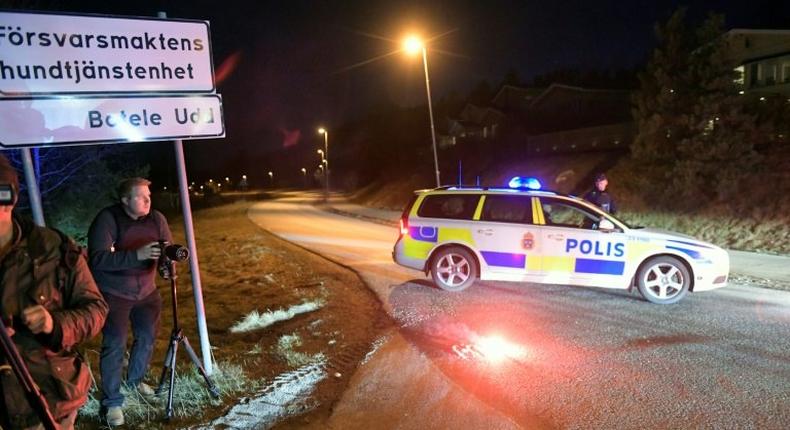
[(177, 336)]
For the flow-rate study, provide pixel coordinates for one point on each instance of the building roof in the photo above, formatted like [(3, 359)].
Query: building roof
[(747, 45)]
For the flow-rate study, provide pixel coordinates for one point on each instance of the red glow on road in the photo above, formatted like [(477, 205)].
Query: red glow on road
[(495, 349)]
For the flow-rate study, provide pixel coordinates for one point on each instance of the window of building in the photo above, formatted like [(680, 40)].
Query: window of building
[(754, 74), (771, 70), (740, 73), (450, 206)]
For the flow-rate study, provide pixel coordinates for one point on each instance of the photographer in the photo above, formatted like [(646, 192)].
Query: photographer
[(50, 304), (123, 243)]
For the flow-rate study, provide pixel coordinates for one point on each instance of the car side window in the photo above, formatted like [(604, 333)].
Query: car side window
[(512, 209), (563, 213), (450, 206)]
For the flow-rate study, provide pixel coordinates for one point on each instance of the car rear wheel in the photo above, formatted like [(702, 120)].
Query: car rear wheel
[(663, 280), (453, 269)]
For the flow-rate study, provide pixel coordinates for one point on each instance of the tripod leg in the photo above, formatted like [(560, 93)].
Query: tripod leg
[(169, 410), (192, 356), (166, 365)]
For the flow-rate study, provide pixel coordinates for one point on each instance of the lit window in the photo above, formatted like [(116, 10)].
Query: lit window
[(740, 73)]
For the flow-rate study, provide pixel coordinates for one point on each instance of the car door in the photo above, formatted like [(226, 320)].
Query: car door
[(506, 237), (574, 250)]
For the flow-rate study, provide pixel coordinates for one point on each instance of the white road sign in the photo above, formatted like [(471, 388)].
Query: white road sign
[(66, 121), (43, 53)]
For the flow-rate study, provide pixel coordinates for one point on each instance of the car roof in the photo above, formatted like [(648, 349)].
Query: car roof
[(498, 190)]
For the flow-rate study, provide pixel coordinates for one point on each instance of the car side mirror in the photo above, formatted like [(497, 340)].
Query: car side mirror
[(606, 225)]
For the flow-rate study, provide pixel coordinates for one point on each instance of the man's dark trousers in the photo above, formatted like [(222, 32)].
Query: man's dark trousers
[(145, 317)]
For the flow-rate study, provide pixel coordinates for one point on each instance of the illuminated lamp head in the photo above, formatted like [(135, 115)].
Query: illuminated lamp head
[(520, 182)]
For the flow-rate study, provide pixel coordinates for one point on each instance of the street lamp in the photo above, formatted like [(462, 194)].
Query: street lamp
[(325, 155), (413, 45), (271, 178)]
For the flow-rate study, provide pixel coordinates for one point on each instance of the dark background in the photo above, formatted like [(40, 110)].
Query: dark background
[(287, 67)]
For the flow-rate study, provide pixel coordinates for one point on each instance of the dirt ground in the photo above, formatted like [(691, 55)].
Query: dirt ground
[(244, 269)]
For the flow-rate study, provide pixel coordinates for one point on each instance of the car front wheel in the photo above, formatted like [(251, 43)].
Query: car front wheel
[(663, 280), (453, 269)]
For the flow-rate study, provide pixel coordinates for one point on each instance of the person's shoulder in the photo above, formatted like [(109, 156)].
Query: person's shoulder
[(108, 211), (158, 215), (45, 241)]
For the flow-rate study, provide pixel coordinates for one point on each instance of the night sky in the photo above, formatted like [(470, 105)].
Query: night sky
[(298, 64)]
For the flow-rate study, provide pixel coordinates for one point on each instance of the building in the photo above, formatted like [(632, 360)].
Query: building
[(559, 118), (763, 58)]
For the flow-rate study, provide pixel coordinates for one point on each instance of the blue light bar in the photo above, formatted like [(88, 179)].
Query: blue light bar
[(524, 182)]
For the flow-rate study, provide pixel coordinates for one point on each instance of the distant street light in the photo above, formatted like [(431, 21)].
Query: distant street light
[(325, 155), (304, 177), (413, 45), (271, 178)]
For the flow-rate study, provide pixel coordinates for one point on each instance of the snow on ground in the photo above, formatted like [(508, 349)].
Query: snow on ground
[(285, 396), (255, 320), (375, 347)]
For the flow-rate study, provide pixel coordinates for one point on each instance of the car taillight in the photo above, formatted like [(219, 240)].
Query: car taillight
[(404, 227)]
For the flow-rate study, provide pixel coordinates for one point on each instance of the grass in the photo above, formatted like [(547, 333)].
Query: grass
[(190, 396), (286, 349), (746, 234), (256, 321)]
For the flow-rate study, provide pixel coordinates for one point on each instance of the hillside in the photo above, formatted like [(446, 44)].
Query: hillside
[(756, 221)]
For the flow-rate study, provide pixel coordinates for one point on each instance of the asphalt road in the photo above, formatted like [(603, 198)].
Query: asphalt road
[(568, 357)]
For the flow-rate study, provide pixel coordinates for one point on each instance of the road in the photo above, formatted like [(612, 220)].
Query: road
[(569, 357)]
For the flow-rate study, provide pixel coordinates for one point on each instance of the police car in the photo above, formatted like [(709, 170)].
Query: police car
[(526, 234)]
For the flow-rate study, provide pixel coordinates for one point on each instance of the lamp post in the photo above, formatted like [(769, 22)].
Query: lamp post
[(412, 45), (304, 177), (271, 178), (325, 156)]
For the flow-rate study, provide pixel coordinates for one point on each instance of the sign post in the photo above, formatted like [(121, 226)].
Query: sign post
[(69, 79)]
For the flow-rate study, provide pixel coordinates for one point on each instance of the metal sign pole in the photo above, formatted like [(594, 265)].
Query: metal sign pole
[(189, 232), (33, 192)]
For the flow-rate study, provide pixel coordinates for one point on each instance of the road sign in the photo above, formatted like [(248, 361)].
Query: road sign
[(44, 53), (68, 121)]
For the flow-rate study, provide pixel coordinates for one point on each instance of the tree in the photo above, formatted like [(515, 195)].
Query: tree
[(76, 182), (696, 134)]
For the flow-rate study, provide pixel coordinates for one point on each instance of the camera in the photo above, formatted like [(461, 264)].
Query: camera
[(173, 252), (170, 254), (7, 197)]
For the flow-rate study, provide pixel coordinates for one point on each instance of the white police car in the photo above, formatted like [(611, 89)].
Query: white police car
[(525, 234)]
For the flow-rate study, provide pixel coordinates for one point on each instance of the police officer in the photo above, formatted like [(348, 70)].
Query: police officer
[(599, 196)]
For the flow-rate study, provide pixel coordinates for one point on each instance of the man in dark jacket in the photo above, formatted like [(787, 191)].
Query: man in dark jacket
[(599, 196), (123, 242), (52, 304)]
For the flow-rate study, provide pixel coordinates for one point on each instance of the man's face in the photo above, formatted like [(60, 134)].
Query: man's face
[(138, 203), (601, 185)]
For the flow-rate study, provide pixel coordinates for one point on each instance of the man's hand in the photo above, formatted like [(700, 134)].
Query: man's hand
[(38, 319), (150, 251), (9, 330)]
